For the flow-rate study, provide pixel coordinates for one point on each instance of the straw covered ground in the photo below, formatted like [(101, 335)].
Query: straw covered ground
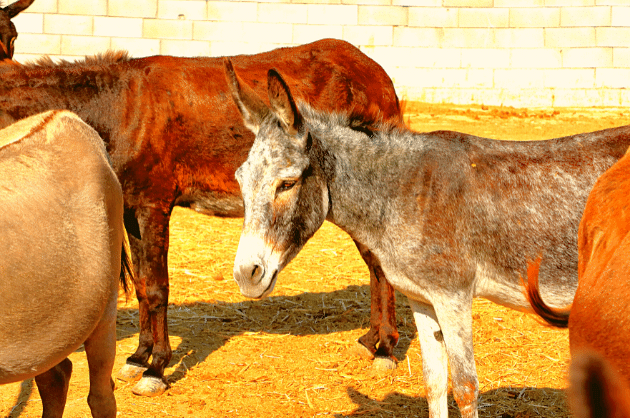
[(287, 355)]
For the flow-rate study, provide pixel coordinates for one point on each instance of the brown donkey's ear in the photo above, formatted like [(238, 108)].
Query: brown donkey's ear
[(282, 103), (251, 106), (14, 9)]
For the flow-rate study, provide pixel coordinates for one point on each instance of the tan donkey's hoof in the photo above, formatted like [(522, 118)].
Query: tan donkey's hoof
[(150, 386), (130, 372), (383, 364), (359, 350)]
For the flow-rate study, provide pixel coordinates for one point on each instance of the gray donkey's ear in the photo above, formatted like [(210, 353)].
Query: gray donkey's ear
[(282, 103), (251, 106)]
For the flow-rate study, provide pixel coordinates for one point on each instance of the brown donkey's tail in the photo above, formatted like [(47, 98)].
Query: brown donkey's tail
[(555, 317), (126, 270)]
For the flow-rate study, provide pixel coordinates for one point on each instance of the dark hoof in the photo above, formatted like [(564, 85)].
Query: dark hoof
[(130, 372), (150, 386), (383, 364), (359, 350)]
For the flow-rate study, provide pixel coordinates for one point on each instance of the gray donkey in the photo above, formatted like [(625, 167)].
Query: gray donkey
[(449, 216)]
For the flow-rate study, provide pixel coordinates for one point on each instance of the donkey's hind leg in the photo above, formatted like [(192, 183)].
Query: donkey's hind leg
[(100, 349), (53, 388)]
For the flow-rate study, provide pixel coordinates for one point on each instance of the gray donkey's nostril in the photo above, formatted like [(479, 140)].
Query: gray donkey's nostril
[(257, 274)]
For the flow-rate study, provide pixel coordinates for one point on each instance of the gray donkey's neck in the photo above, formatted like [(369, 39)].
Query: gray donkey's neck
[(364, 175)]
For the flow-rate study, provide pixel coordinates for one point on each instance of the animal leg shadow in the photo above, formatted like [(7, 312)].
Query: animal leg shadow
[(26, 390)]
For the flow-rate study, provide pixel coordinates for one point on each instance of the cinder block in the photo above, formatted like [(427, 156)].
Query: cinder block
[(483, 18), (433, 17), (485, 58), (586, 98), (585, 16), (268, 32), (29, 23), (570, 37), (332, 14), (612, 78), (421, 57), (282, 13), (368, 2), (468, 3), (616, 36), (620, 16), (42, 6), (126, 8), (512, 78), (570, 78), (519, 38), (467, 38), (519, 3), (569, 3), (587, 57), (418, 37), (88, 7), (122, 27), (232, 11), (218, 31), (439, 77), (167, 29), (84, 45), (535, 58), (320, 1), (181, 48), (26, 58), (365, 35), (383, 15), (224, 49), (525, 97), (186, 10), (137, 47), (611, 2), (31, 43), (417, 3), (624, 97), (68, 24), (535, 17), (303, 34), (470, 77), (621, 57)]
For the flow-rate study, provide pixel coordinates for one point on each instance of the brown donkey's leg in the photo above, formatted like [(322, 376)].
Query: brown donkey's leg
[(383, 329), (53, 388), (151, 283)]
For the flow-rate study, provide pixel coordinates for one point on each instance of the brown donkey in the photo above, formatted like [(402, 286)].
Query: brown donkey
[(176, 138), (599, 317), (62, 255)]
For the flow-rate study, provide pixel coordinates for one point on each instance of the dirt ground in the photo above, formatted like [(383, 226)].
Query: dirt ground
[(287, 355)]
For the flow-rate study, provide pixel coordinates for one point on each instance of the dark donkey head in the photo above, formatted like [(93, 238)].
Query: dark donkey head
[(8, 33), (285, 196)]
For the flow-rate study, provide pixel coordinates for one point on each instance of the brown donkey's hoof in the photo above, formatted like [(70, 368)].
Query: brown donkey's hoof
[(130, 372), (383, 364), (359, 350), (150, 386)]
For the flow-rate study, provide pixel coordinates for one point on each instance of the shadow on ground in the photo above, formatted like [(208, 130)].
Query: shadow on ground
[(514, 402)]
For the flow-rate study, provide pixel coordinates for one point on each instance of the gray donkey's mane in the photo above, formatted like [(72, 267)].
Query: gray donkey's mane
[(352, 128), (370, 122)]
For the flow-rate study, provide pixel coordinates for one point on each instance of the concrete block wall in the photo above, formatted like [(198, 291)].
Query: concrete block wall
[(523, 53)]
